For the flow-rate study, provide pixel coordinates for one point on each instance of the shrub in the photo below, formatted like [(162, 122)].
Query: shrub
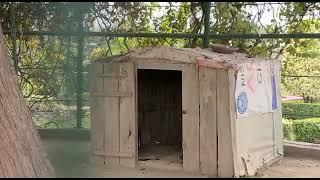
[(288, 130), (300, 110), (305, 130)]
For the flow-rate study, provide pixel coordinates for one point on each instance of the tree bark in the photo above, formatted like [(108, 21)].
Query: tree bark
[(21, 152)]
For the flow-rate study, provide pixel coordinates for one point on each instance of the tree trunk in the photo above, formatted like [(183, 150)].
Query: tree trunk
[(21, 152)]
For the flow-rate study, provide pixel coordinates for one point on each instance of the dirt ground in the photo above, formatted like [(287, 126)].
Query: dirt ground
[(292, 167), (71, 159)]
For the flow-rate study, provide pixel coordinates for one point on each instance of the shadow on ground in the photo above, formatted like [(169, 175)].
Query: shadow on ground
[(70, 158)]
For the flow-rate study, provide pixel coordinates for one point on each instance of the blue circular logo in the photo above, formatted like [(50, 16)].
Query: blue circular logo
[(242, 102)]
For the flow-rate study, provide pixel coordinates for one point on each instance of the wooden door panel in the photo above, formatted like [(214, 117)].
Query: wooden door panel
[(190, 121)]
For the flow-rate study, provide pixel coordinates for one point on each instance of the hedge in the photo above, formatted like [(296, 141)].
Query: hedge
[(305, 130), (300, 110), (287, 129)]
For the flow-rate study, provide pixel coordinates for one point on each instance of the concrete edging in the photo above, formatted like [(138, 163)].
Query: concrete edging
[(64, 133), (301, 149)]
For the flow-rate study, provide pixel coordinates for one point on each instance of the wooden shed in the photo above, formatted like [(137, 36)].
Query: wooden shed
[(186, 99)]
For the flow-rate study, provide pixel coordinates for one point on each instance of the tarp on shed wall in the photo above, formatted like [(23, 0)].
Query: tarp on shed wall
[(256, 89), (259, 136), (256, 143)]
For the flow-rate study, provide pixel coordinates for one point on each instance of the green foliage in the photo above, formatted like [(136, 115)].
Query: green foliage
[(300, 110), (56, 115), (47, 65), (288, 130), (306, 130), (299, 123), (301, 58), (231, 17)]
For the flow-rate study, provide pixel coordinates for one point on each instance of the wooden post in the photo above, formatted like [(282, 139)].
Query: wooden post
[(206, 12), (80, 70)]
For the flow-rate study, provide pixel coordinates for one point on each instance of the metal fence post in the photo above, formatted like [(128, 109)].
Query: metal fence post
[(13, 36), (206, 12), (80, 69)]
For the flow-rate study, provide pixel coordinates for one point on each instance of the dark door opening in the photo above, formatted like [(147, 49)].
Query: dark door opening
[(160, 115)]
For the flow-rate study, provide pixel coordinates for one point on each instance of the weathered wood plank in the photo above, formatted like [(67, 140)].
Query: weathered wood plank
[(115, 154), (225, 155), (106, 75), (232, 112), (145, 64), (136, 137), (113, 94), (190, 122), (127, 118), (111, 110), (208, 123), (97, 118), (167, 53)]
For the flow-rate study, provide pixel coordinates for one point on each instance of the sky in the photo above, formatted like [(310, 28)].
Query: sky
[(266, 17)]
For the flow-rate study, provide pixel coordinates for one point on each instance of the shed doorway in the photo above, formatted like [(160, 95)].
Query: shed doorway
[(160, 117)]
